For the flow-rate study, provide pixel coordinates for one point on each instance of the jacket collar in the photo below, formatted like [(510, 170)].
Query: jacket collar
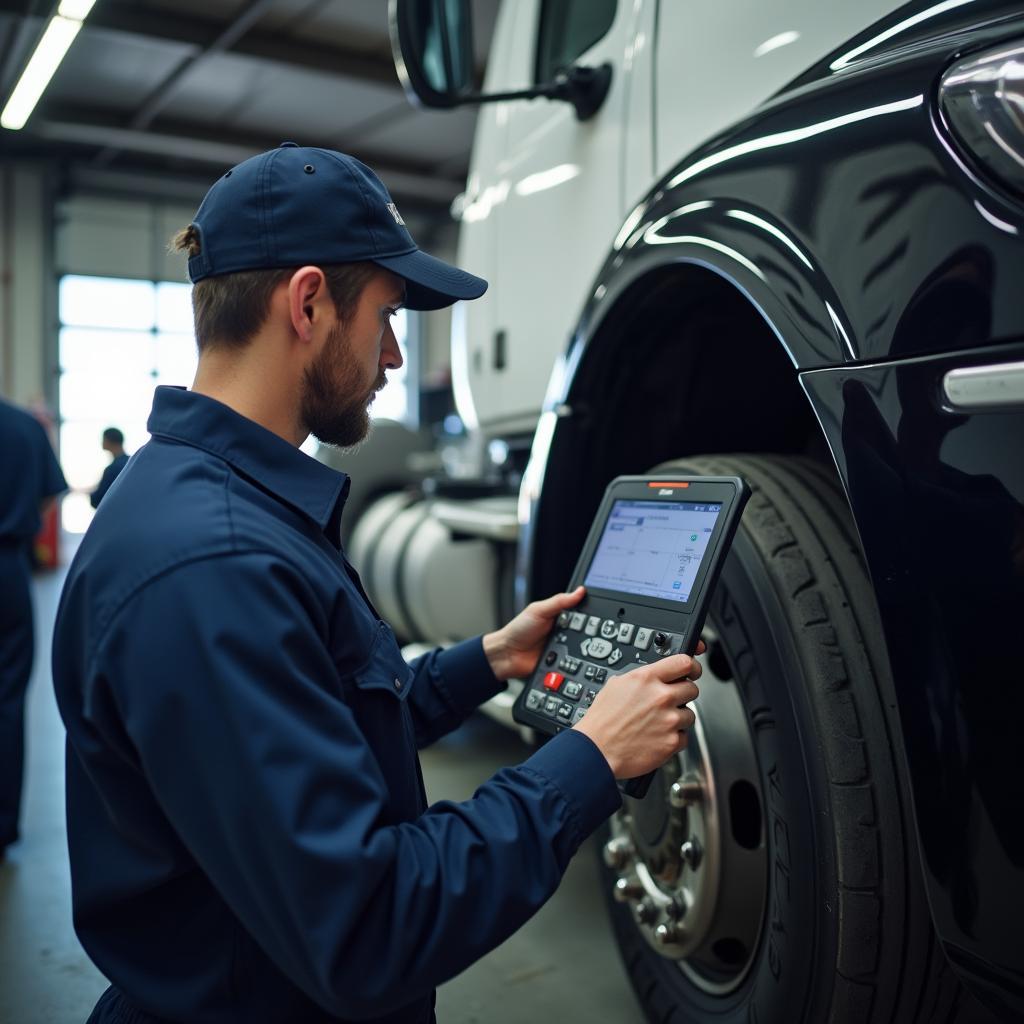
[(279, 467)]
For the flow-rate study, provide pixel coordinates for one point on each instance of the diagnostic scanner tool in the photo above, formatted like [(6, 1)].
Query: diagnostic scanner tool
[(649, 564)]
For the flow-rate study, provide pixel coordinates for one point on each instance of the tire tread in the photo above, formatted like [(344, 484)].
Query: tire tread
[(810, 546)]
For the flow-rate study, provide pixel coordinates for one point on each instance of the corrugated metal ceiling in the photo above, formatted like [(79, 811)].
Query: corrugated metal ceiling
[(182, 88)]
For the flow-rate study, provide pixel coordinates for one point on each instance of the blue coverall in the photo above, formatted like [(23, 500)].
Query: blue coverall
[(110, 474), (249, 834), (29, 474)]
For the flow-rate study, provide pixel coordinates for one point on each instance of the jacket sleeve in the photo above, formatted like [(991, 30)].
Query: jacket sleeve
[(103, 486), (228, 693), (448, 685), (51, 479)]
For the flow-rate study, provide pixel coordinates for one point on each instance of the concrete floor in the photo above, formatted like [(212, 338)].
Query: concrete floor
[(46, 978)]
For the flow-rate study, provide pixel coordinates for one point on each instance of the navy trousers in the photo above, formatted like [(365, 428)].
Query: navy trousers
[(17, 642), (114, 1008)]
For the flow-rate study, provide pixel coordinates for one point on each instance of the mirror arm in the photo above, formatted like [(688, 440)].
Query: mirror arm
[(584, 87)]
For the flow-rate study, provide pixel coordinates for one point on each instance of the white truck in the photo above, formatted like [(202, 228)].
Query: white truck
[(766, 239)]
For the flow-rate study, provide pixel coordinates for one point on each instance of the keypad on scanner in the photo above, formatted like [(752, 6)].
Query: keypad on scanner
[(604, 640)]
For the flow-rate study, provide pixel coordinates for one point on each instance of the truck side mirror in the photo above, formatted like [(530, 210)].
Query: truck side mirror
[(432, 43)]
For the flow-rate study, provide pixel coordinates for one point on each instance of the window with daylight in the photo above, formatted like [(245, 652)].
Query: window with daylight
[(119, 339)]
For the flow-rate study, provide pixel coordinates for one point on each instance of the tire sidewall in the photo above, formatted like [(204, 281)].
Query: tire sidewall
[(790, 977)]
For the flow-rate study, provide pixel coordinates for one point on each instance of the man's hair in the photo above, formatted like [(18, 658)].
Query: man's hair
[(229, 309), (113, 436)]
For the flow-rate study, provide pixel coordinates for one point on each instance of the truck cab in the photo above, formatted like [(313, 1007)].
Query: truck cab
[(775, 241)]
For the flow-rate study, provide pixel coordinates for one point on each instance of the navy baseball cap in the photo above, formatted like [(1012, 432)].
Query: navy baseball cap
[(296, 205)]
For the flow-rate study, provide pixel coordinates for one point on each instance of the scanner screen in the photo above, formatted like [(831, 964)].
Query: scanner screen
[(653, 548)]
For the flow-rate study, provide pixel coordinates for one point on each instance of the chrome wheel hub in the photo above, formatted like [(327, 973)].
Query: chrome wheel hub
[(690, 858)]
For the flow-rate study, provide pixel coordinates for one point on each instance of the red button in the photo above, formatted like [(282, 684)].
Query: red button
[(553, 680)]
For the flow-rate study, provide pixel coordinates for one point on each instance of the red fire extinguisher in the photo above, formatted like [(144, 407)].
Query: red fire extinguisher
[(47, 541)]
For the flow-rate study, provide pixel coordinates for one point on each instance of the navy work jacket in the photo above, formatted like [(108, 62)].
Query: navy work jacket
[(249, 835), (29, 474), (110, 474)]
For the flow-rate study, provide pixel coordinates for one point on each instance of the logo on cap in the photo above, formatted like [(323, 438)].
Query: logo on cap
[(396, 214)]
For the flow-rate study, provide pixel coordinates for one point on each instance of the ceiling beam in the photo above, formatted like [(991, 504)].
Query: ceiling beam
[(190, 144), (169, 86), (138, 175), (425, 221), (198, 141), (350, 62)]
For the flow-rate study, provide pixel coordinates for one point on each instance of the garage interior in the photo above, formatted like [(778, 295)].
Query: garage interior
[(153, 100), (760, 260)]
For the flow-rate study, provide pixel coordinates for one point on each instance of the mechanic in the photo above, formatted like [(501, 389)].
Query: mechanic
[(113, 442), (248, 829), (30, 478)]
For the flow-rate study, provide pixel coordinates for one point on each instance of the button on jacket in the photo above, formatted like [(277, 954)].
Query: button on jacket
[(247, 823)]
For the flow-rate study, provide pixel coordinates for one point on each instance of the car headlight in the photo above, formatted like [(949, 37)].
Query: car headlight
[(982, 100)]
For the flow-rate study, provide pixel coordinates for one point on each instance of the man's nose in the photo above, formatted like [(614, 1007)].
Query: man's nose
[(391, 354)]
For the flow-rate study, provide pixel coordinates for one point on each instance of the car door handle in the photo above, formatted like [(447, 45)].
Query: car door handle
[(984, 388)]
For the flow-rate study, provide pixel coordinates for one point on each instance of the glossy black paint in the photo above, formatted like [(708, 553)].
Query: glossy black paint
[(845, 215), (921, 23), (939, 501), (938, 498)]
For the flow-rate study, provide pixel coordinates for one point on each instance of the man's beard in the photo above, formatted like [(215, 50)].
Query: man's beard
[(335, 396)]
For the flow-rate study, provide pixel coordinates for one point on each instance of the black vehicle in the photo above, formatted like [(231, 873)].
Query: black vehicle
[(826, 300)]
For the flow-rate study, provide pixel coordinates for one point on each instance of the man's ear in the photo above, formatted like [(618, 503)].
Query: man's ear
[(306, 288)]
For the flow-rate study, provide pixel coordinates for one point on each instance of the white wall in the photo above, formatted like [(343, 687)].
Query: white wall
[(120, 237)]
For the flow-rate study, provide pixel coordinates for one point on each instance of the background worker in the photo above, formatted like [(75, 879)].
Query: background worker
[(249, 834), (113, 442), (30, 478)]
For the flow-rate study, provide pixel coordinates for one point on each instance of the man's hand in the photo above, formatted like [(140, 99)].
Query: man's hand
[(638, 720), (515, 649)]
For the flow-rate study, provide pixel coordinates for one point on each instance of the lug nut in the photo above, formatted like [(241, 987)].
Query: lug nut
[(685, 792), (627, 889), (691, 853), (666, 934), (618, 851), (644, 912)]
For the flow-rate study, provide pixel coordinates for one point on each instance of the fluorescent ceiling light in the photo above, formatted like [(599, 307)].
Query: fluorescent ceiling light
[(59, 35)]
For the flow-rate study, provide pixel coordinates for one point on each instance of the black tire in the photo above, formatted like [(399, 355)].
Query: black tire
[(846, 935)]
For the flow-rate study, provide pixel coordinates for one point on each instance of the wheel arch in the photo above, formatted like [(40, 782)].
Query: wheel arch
[(835, 219), (683, 359)]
